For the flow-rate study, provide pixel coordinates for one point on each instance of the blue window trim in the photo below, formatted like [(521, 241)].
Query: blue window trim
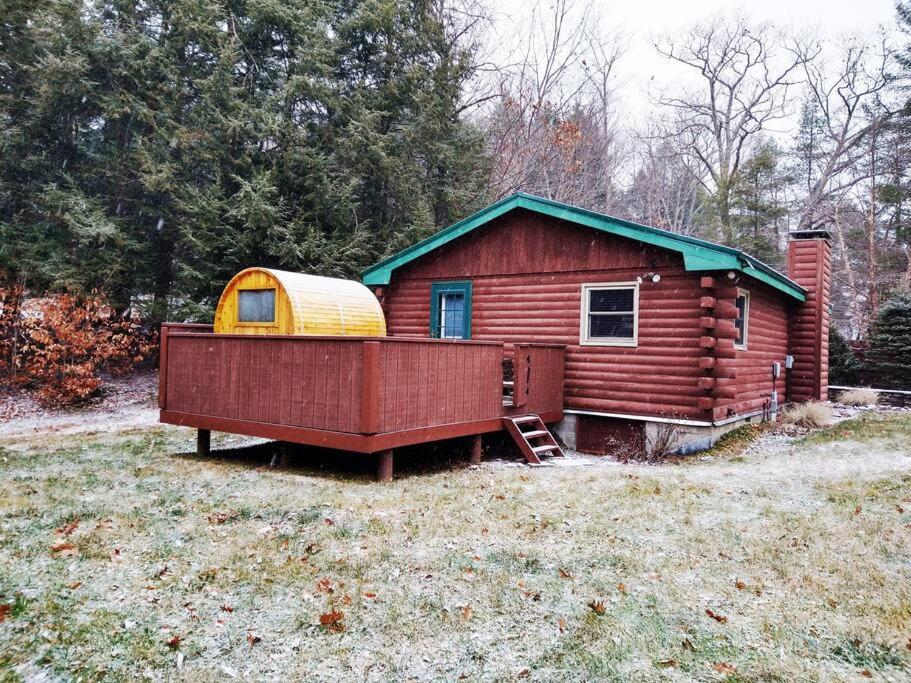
[(438, 288)]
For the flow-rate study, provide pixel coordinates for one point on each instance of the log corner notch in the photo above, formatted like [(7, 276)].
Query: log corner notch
[(810, 266), (718, 304)]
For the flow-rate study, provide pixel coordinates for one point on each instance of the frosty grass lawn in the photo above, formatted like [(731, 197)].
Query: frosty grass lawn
[(123, 557)]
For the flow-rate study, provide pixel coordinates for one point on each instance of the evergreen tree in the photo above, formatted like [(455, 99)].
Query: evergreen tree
[(150, 149), (758, 203), (888, 361), (844, 368)]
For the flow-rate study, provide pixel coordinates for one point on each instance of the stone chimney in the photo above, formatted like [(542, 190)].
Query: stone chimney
[(810, 266)]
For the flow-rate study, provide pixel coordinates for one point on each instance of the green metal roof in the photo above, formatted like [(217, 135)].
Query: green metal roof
[(698, 255)]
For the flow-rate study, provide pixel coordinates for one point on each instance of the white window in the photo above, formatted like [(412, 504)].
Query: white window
[(742, 321), (610, 314)]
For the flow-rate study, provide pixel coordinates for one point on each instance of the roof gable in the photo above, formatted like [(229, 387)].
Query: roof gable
[(698, 255)]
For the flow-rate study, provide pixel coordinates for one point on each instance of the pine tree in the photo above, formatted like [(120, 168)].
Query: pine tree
[(844, 367), (150, 149), (888, 360)]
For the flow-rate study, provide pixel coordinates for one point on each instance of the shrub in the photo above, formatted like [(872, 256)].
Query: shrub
[(811, 414), (58, 346), (888, 361), (859, 397), (844, 367)]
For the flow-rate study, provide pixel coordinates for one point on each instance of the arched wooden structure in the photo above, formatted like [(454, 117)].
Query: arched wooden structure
[(268, 301)]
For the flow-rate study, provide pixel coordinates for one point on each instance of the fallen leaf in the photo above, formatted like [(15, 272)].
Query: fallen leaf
[(523, 673), (328, 522), (253, 638), (67, 529), (325, 585), (597, 606), (740, 584), (370, 596), (900, 509), (466, 612), (621, 587), (174, 640), (717, 617), (667, 663), (332, 621), (221, 517), (724, 668), (227, 608), (63, 549), (866, 673), (161, 572), (116, 555), (346, 599), (534, 595), (5, 609), (73, 586), (857, 510), (687, 644), (561, 624), (565, 574)]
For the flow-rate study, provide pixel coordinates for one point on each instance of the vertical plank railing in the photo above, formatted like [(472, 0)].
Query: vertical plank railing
[(539, 377)]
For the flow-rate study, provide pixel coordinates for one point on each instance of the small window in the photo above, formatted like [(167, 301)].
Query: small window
[(256, 306), (742, 322), (450, 310), (610, 315)]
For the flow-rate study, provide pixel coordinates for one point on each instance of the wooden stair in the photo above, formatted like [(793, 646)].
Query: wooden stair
[(532, 437)]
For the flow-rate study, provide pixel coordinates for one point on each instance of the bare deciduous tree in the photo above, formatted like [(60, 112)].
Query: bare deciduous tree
[(745, 72)]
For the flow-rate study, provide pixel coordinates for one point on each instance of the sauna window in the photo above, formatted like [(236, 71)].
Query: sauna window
[(742, 322), (610, 315), (450, 310), (256, 306)]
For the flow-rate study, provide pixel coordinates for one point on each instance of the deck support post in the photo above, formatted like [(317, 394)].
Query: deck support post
[(384, 465), (203, 442), (477, 449)]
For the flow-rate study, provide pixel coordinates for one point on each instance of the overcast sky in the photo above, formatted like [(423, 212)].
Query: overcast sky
[(645, 20)]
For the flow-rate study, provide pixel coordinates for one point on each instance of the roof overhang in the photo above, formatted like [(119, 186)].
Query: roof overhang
[(698, 255)]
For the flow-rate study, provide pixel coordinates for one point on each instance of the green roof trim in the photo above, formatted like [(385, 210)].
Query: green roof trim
[(698, 255)]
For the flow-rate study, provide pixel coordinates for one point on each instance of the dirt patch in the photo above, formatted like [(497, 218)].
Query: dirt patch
[(126, 402)]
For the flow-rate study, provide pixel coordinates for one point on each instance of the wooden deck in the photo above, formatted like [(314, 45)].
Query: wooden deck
[(362, 394)]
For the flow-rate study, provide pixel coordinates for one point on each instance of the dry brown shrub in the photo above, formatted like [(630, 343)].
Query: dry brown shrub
[(859, 397), (57, 346), (810, 414)]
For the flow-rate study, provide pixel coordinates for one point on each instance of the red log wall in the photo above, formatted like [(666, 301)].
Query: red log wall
[(527, 271)]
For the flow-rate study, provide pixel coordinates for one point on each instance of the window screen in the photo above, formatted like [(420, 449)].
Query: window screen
[(741, 322), (256, 306), (610, 314)]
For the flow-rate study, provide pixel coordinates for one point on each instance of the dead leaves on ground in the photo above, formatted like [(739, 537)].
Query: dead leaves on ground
[(64, 549), (332, 621), (222, 517), (67, 529), (721, 619), (724, 668), (5, 609), (598, 607), (466, 612)]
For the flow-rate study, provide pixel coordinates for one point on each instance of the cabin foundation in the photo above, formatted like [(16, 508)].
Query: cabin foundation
[(384, 465)]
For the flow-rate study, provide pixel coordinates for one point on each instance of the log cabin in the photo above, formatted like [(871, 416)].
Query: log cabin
[(663, 333), (528, 314)]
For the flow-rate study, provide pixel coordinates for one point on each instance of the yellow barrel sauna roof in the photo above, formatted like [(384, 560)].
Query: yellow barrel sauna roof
[(267, 301)]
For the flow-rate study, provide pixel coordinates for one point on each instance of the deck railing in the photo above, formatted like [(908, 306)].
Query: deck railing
[(354, 385)]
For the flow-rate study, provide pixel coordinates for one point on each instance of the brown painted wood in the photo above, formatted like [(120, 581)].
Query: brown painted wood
[(384, 465), (477, 449), (203, 442), (707, 282), (370, 388)]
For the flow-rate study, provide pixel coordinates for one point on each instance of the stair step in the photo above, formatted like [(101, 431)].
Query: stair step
[(524, 419), (536, 434), (543, 449)]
